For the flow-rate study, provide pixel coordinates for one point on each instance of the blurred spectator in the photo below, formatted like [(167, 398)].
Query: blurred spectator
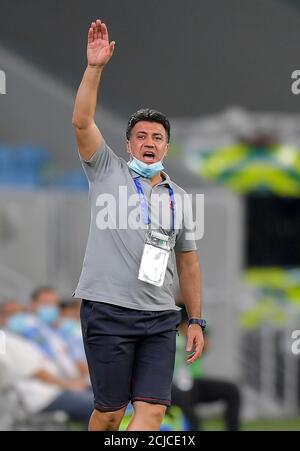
[(29, 326), (44, 303), (190, 388), (69, 327), (64, 323), (64, 318), (70, 309), (53, 381), (9, 308), (38, 381)]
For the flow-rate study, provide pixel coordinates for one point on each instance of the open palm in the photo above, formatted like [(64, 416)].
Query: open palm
[(99, 50)]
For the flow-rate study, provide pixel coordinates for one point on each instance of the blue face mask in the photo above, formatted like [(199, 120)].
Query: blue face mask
[(145, 170), (18, 323), (70, 326), (48, 314)]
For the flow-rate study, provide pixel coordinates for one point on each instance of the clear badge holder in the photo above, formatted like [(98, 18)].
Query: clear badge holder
[(155, 258)]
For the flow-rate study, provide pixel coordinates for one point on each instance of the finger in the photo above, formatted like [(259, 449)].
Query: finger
[(197, 353), (194, 357), (94, 31), (189, 344), (99, 32), (112, 47), (190, 357), (197, 349), (104, 32), (200, 345), (90, 35)]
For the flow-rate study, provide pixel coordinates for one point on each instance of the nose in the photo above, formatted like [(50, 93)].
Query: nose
[(149, 143)]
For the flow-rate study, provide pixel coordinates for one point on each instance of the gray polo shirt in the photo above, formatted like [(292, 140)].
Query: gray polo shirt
[(115, 243)]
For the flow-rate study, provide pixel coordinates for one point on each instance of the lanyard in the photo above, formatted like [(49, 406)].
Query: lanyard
[(144, 203)]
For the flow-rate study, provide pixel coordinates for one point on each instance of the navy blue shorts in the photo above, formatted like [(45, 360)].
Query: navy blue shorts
[(130, 354)]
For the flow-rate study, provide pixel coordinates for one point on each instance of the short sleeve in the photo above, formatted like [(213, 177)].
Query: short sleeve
[(185, 240), (101, 164)]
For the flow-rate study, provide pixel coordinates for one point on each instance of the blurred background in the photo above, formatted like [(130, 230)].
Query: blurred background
[(222, 73)]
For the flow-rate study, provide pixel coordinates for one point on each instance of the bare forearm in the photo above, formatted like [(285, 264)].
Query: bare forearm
[(190, 286), (44, 376), (77, 384), (86, 99)]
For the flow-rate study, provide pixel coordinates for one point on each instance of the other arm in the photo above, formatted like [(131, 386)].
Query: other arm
[(189, 274)]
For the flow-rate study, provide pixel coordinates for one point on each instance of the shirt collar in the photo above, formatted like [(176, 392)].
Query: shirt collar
[(166, 182)]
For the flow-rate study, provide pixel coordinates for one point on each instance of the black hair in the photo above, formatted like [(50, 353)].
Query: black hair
[(67, 303), (37, 291), (149, 115)]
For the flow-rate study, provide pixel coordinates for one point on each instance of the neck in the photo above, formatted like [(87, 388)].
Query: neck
[(156, 179)]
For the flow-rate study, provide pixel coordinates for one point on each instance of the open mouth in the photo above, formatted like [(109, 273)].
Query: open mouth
[(148, 156)]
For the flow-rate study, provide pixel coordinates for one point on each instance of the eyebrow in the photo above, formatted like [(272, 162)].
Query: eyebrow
[(145, 133)]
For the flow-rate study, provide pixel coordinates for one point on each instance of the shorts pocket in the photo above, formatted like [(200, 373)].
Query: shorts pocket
[(86, 311)]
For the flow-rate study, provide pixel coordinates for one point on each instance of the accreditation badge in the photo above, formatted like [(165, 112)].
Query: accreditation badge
[(155, 258)]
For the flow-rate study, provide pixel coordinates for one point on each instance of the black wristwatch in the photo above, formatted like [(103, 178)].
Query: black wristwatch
[(200, 322)]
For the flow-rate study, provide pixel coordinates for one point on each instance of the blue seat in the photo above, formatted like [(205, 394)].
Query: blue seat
[(8, 178), (74, 180), (20, 179), (34, 157), (23, 165), (7, 159)]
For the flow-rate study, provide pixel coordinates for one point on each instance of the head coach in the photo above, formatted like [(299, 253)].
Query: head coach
[(128, 314)]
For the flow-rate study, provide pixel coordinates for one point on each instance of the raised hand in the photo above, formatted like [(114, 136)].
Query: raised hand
[(99, 49)]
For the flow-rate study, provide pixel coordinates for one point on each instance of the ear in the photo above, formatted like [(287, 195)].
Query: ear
[(128, 146), (167, 150)]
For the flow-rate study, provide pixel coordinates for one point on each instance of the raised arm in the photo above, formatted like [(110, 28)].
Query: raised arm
[(99, 52)]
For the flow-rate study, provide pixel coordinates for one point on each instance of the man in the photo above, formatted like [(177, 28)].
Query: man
[(40, 382), (70, 330), (40, 324), (44, 303), (129, 318), (27, 325)]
